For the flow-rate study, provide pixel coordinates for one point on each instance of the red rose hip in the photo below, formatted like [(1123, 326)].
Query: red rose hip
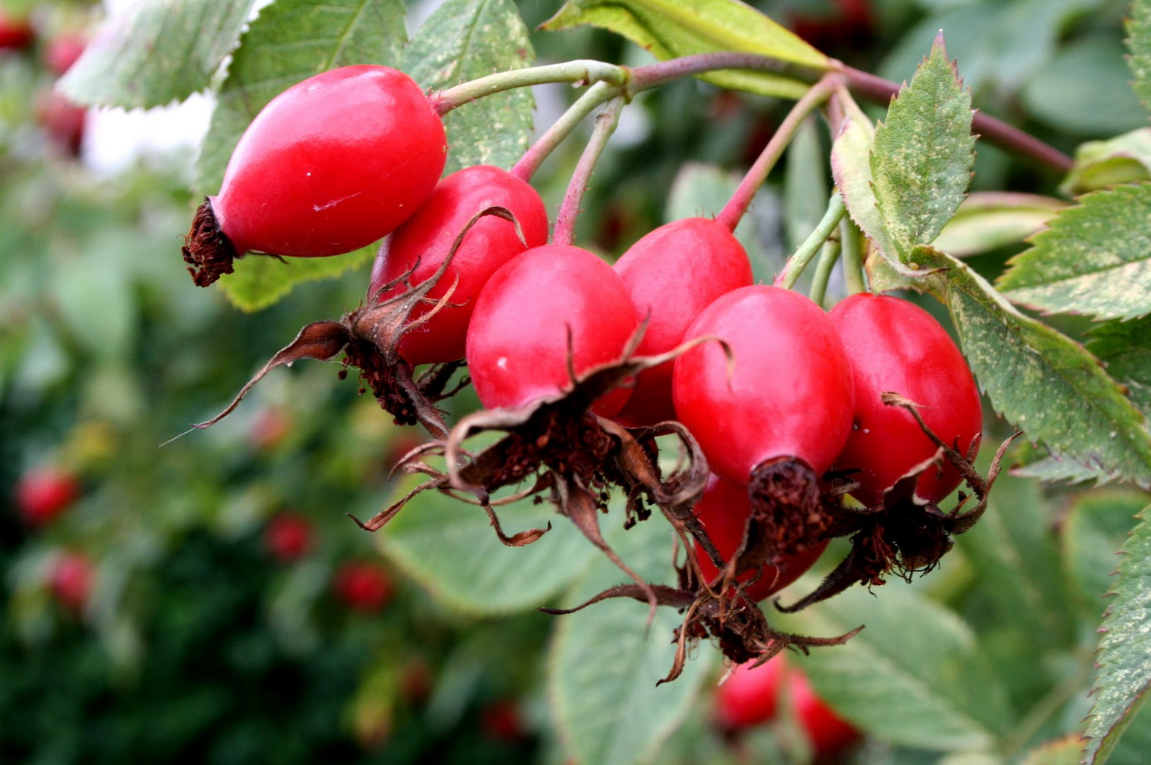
[(426, 239), (672, 274), (517, 347), (896, 346), (43, 494), (330, 165), (723, 510)]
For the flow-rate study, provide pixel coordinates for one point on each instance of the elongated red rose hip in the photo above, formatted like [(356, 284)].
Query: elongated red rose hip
[(332, 164), (780, 416), (426, 239), (896, 346), (672, 274), (519, 335)]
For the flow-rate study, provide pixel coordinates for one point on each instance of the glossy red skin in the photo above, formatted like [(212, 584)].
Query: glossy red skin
[(363, 586), (427, 238), (723, 511), (43, 494), (672, 274), (289, 537), (894, 345), (63, 51), (71, 580), (15, 34), (518, 339), (751, 696), (332, 164), (789, 394)]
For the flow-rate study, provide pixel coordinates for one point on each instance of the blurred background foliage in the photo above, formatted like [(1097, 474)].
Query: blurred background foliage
[(205, 599)]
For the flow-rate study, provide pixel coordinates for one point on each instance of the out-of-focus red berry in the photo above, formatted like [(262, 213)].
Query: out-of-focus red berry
[(44, 493), (62, 120), (363, 586), (501, 721), (289, 537), (15, 34), (71, 579), (62, 51)]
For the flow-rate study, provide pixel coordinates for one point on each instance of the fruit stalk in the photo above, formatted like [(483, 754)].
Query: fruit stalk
[(852, 240), (581, 71), (811, 246), (605, 124), (827, 259), (530, 162), (733, 211)]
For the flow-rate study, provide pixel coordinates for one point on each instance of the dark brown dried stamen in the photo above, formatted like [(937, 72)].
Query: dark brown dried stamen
[(786, 507), (207, 249)]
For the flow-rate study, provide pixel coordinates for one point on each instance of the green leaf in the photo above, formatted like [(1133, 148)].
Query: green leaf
[(921, 163), (450, 548), (1084, 90), (1092, 532), (988, 220), (1052, 468), (1125, 349), (915, 676), (604, 663), (465, 40), (156, 52), (1065, 751), (1013, 552), (1041, 380), (260, 281), (1099, 164), (851, 169), (1094, 259), (1124, 664), (290, 41), (671, 28), (805, 188), (1139, 43)]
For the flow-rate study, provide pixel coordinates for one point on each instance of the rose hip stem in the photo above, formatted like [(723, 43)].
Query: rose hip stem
[(827, 260), (852, 239), (530, 162), (811, 246), (733, 211), (605, 124)]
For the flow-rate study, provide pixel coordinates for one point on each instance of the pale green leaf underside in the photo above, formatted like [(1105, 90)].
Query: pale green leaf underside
[(450, 548), (1099, 164), (288, 42), (915, 676), (1125, 348), (851, 169), (464, 40), (156, 52), (1139, 43), (1095, 258), (603, 664), (672, 28), (988, 220), (1053, 469), (1042, 381), (1125, 663), (921, 163)]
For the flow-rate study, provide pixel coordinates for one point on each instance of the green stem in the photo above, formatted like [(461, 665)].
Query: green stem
[(583, 70), (811, 246), (605, 124), (852, 239), (530, 162), (822, 275), (733, 211), (663, 72)]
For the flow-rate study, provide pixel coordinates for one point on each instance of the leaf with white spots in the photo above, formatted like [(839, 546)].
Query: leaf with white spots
[(924, 150), (1139, 43), (151, 54), (1124, 655), (1094, 259), (1042, 381), (465, 40)]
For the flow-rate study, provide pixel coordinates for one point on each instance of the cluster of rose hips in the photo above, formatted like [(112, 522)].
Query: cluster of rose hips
[(584, 363)]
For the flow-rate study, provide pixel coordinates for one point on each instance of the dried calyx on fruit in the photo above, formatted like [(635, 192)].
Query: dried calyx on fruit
[(551, 349), (370, 338), (330, 165)]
